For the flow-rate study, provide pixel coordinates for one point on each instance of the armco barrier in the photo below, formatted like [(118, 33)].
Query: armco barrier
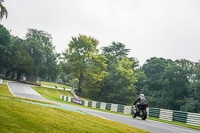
[(164, 114)]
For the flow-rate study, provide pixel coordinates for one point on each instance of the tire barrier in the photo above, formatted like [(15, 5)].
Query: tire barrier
[(76, 99), (193, 119), (179, 116), (154, 112), (164, 114)]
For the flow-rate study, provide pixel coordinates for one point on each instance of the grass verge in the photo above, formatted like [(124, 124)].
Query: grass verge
[(17, 116), (51, 96), (5, 81)]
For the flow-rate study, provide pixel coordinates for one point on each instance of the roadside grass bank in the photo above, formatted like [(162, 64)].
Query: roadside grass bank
[(53, 85), (18, 116), (50, 96), (5, 81), (53, 94)]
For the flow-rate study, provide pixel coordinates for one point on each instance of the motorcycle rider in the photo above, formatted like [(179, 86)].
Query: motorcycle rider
[(141, 100)]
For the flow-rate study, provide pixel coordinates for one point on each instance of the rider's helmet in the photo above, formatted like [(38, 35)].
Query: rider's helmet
[(141, 95)]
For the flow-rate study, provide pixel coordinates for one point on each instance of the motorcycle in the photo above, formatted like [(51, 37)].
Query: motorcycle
[(140, 111)]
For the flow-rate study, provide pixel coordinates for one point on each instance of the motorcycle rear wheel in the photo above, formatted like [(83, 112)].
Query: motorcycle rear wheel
[(144, 114)]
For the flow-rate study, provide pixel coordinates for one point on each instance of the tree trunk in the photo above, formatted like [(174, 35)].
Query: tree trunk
[(80, 83), (7, 73), (18, 75)]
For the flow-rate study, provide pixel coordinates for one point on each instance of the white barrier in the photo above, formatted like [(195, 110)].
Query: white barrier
[(103, 106), (69, 99), (147, 111), (193, 119), (65, 98), (127, 109), (94, 104), (166, 114), (114, 107), (86, 103)]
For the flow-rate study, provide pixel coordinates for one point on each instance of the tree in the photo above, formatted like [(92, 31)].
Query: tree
[(83, 57), (3, 11), (36, 54), (114, 52), (21, 61), (5, 47), (154, 69), (43, 41), (174, 87), (119, 83), (192, 101)]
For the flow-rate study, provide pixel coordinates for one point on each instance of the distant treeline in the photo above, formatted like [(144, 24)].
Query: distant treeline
[(31, 57)]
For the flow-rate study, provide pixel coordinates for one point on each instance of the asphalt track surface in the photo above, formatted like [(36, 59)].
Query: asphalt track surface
[(25, 91)]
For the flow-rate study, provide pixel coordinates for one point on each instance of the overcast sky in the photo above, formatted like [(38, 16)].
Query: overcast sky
[(150, 28)]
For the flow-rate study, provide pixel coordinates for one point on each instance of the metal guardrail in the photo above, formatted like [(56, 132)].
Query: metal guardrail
[(164, 114)]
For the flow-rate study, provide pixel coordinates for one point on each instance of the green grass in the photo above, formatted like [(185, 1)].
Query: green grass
[(51, 96), (4, 91), (17, 116), (5, 80), (50, 93), (53, 85)]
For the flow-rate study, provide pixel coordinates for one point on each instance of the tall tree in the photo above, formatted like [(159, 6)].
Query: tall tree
[(154, 69), (3, 11), (115, 51), (119, 83), (192, 101), (5, 47), (21, 61), (174, 87), (43, 42), (82, 56)]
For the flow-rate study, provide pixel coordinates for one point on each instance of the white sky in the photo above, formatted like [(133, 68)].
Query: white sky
[(161, 28)]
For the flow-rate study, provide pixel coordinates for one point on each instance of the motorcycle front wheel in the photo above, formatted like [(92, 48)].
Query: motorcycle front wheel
[(134, 115)]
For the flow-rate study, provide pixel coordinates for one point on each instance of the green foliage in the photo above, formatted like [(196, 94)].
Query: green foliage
[(3, 11), (114, 52), (170, 84), (31, 57), (84, 63), (39, 44), (119, 83), (5, 47)]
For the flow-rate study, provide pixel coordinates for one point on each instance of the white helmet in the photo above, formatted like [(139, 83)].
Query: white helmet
[(141, 95)]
